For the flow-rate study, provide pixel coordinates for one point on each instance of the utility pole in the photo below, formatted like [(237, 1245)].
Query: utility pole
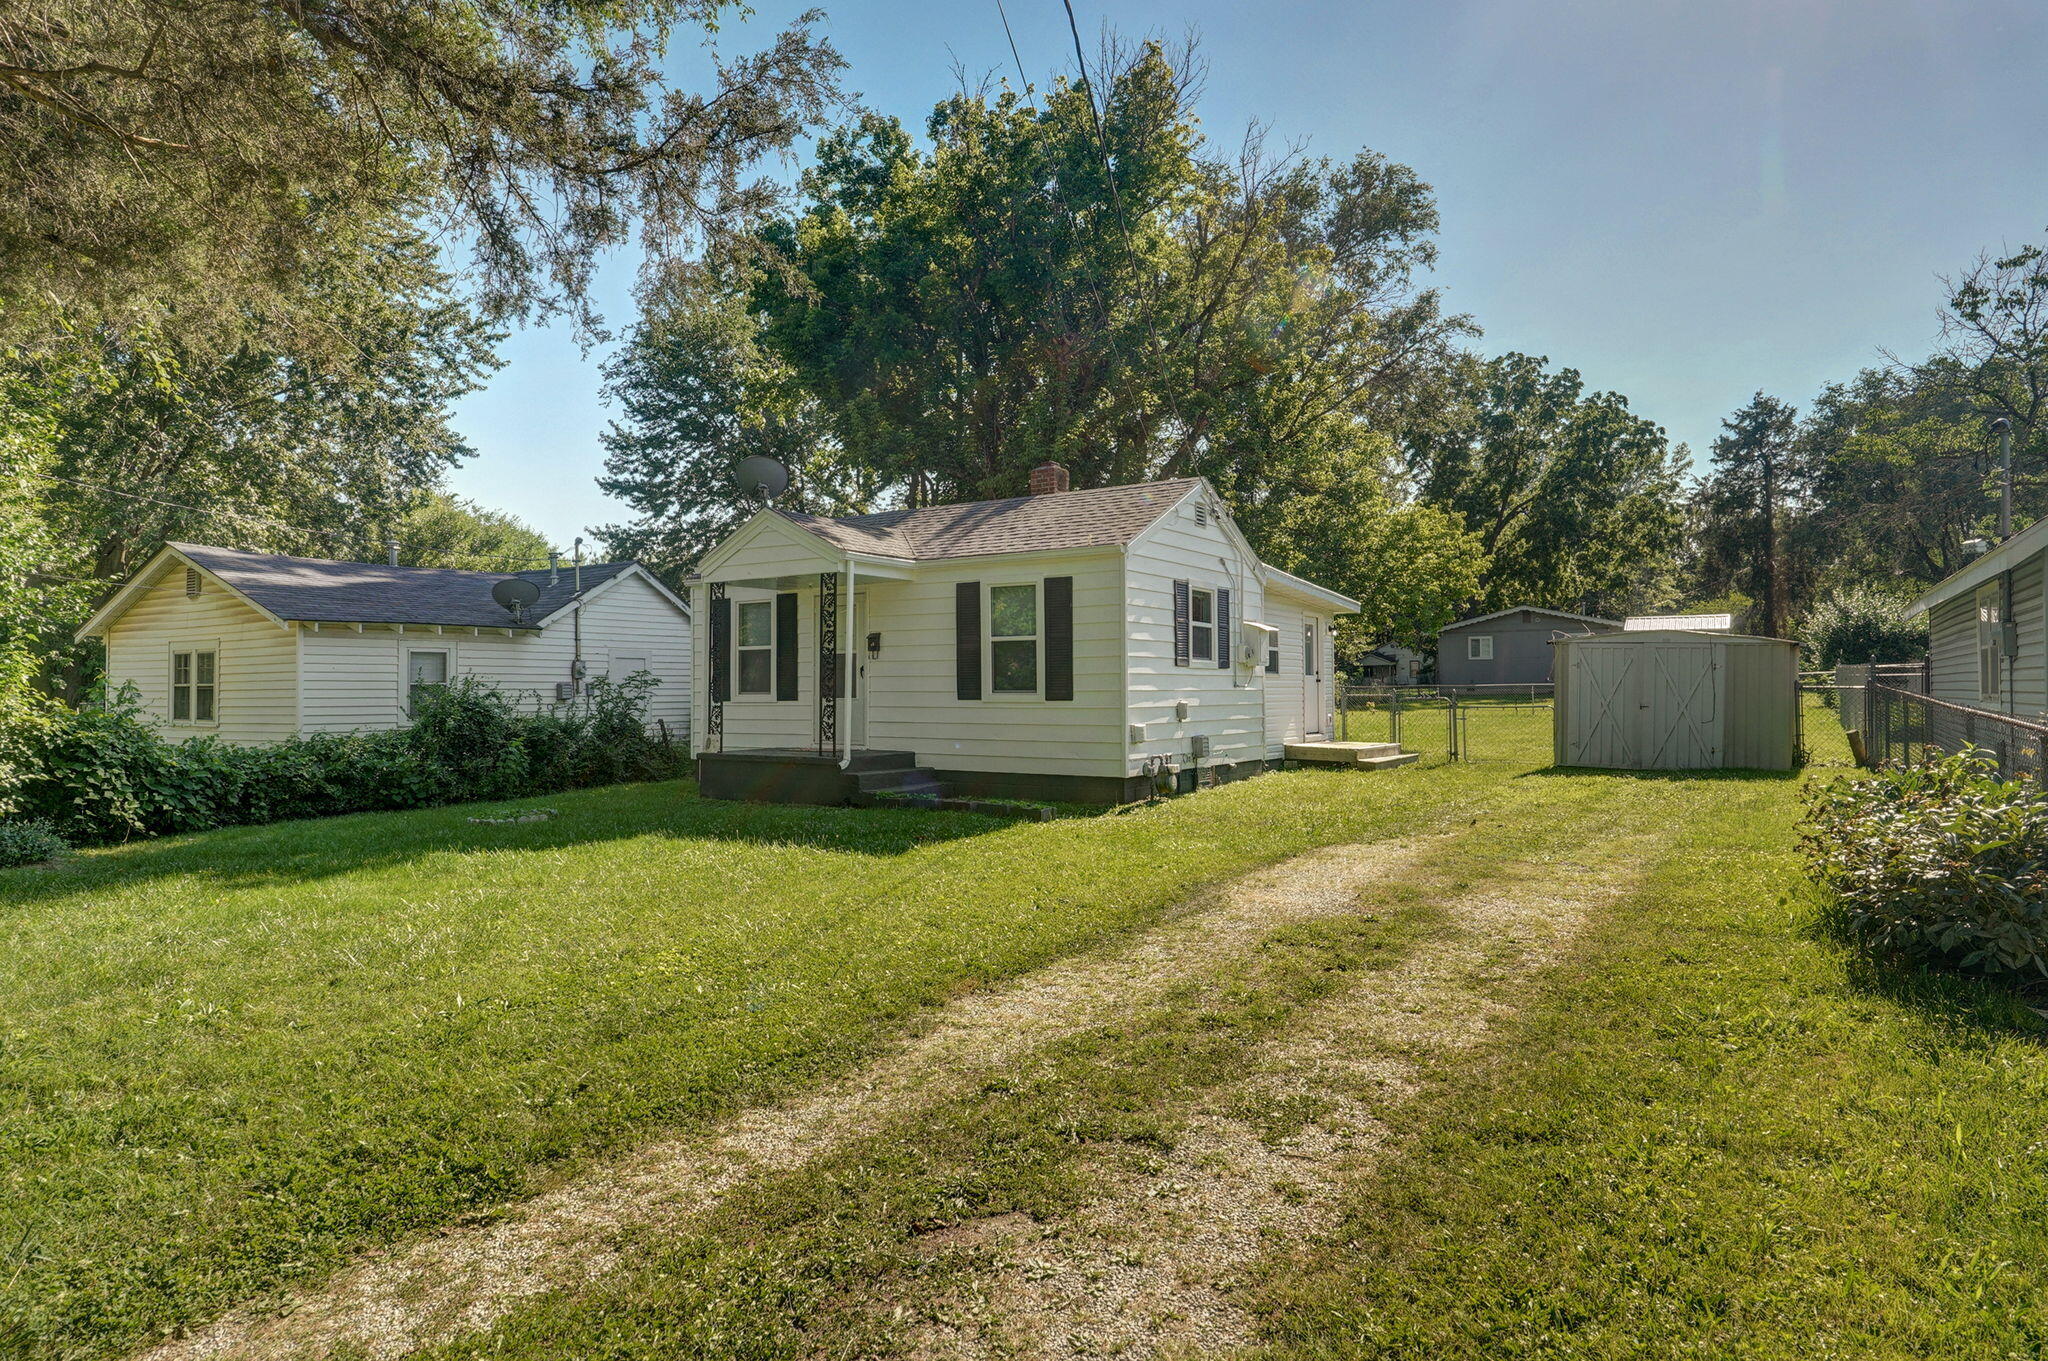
[(2003, 428)]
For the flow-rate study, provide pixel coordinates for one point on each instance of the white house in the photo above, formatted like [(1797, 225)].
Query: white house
[(1073, 645), (254, 647)]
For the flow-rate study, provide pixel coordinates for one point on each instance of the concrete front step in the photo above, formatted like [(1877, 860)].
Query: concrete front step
[(1370, 755)]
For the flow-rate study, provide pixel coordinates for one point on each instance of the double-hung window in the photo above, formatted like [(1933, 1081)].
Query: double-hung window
[(1013, 638), (426, 670), (1990, 624), (193, 689), (1479, 648), (1273, 653), (757, 647), (1202, 625)]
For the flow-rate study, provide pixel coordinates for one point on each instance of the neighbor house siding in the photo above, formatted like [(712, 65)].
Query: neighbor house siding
[(256, 682), (1952, 646), (356, 680), (1227, 703)]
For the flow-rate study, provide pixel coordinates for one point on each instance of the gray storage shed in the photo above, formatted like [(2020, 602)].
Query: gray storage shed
[(1677, 700), (1507, 647)]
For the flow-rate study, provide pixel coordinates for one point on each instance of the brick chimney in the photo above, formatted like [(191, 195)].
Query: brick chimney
[(1048, 477)]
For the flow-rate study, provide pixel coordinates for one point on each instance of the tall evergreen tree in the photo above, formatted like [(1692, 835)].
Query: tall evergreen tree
[(1742, 500)]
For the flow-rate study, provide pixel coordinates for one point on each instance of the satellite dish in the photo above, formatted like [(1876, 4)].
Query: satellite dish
[(515, 594), (761, 478)]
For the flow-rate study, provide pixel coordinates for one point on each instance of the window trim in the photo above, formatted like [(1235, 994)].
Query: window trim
[(194, 650), (1472, 650), (447, 651), (1990, 643), (989, 639), (739, 609), (1197, 628)]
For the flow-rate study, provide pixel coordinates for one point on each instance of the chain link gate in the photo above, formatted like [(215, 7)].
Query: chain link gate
[(1446, 724)]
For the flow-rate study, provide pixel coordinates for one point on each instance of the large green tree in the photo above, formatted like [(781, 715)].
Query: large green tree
[(1573, 497), (187, 161), (443, 530), (1020, 286)]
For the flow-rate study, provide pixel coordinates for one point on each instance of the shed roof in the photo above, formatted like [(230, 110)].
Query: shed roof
[(1530, 609), (1098, 517), (1698, 623)]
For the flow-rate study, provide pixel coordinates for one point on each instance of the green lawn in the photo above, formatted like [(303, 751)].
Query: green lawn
[(233, 1060), (228, 1061)]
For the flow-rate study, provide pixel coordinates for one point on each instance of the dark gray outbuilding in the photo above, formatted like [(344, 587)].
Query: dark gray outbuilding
[(1509, 647)]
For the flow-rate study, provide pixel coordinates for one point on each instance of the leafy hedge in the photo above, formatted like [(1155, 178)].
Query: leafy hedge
[(101, 774), (1942, 862)]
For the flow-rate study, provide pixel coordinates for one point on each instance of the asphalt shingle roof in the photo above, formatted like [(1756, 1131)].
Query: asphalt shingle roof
[(320, 590), (1096, 518)]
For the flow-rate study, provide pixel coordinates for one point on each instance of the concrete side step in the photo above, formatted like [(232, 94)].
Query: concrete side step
[(1340, 753), (1399, 758)]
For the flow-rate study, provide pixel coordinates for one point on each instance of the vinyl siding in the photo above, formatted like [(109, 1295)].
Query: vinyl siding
[(1952, 646), (908, 690), (1227, 704), (911, 697), (257, 664), (356, 680)]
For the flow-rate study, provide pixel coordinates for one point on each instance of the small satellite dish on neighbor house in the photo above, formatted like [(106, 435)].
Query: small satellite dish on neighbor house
[(761, 478), (515, 594)]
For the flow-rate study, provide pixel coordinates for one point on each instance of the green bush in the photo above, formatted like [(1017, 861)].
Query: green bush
[(102, 774), (28, 842), (1941, 862), (1862, 624)]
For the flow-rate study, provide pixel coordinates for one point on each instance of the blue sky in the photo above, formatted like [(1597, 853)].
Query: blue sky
[(1685, 201)]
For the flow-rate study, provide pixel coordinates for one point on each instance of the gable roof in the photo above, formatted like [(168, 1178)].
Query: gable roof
[(1099, 517), (322, 590), (1531, 609)]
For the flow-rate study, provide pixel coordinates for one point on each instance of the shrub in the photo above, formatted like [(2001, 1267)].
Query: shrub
[(1862, 624), (1941, 862), (102, 774), (28, 842)]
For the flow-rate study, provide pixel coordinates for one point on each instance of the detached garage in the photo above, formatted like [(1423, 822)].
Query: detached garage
[(1677, 700)]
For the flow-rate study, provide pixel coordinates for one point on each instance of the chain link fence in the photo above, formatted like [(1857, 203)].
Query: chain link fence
[(1902, 727), (1509, 723)]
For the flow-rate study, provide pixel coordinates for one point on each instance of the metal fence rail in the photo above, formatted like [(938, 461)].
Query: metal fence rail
[(1451, 723), (1903, 727)]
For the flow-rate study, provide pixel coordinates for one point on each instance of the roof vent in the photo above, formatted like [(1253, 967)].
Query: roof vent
[(1201, 512), (191, 583)]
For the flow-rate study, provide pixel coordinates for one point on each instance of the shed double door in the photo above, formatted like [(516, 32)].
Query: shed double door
[(1636, 707)]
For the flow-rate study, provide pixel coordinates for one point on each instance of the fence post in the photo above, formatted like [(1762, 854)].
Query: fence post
[(1394, 715), (1451, 724)]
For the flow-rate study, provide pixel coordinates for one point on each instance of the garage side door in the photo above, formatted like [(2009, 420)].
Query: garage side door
[(1684, 711), (1602, 723)]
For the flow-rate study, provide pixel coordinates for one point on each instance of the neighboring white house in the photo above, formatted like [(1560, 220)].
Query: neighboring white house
[(1390, 664), (1987, 629), (254, 647), (1071, 645)]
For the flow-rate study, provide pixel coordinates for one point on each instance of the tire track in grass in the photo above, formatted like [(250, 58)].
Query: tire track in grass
[(469, 1277), (1151, 1266)]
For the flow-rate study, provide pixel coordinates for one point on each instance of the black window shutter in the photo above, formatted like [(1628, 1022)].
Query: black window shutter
[(1059, 637), (1180, 623), (721, 650), (967, 639), (1223, 628), (785, 645)]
